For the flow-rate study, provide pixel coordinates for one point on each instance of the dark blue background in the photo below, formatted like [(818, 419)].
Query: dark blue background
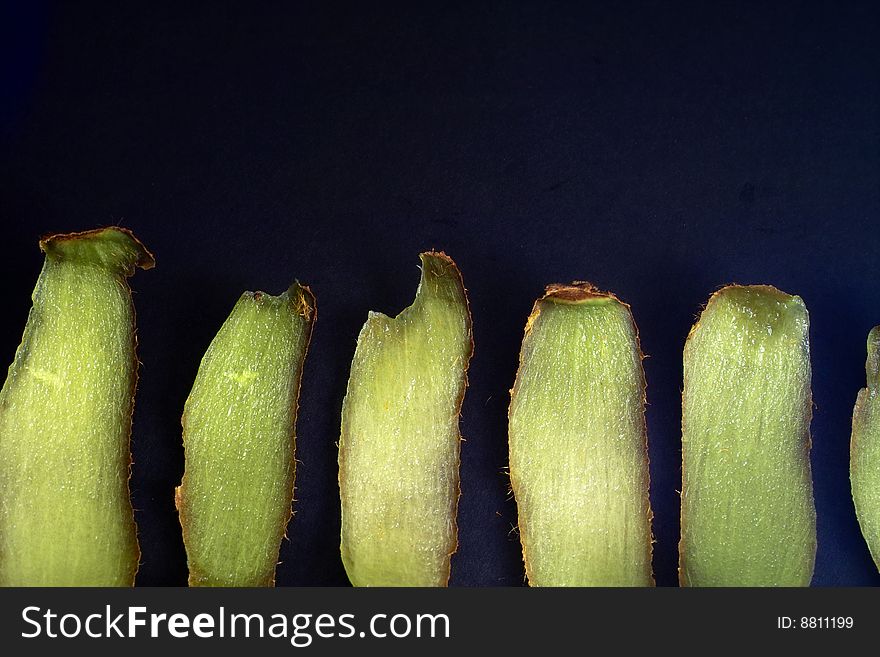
[(657, 150)]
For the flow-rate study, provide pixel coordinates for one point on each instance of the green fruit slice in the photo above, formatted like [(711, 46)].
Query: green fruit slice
[(399, 448), (747, 512), (578, 443), (865, 450), (238, 436), (65, 420)]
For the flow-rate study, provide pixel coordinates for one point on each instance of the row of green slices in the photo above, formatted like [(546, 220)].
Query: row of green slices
[(578, 443)]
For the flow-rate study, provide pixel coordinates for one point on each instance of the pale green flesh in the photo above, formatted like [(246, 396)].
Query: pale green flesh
[(399, 447), (578, 453), (865, 450), (238, 434), (65, 420), (747, 514)]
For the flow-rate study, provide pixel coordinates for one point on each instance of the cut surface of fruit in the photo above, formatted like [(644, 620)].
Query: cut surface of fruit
[(865, 450), (239, 440), (747, 511), (578, 450), (65, 419), (399, 445)]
